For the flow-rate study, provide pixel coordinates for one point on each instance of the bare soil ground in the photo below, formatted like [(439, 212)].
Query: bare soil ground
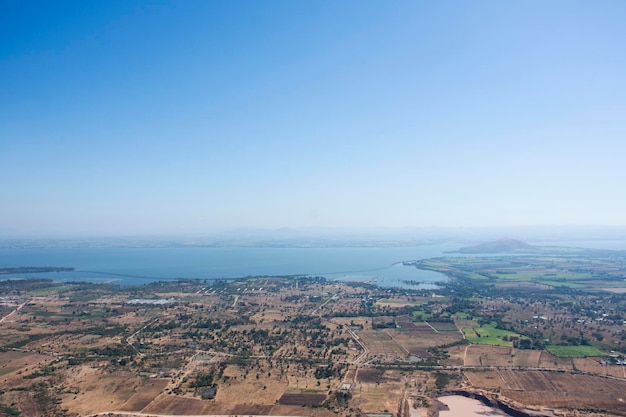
[(251, 390), (146, 394), (548, 360), (169, 404), (596, 366), (526, 358), (408, 323), (371, 375), (485, 379), (457, 356), (556, 389), (91, 390), (24, 401), (443, 326), (381, 345), (302, 399), (373, 397), (12, 362), (416, 343), (297, 410), (486, 355)]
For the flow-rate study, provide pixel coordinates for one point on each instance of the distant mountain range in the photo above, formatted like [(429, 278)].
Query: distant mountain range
[(501, 246)]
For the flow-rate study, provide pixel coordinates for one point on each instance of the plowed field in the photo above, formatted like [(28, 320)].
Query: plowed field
[(556, 389)]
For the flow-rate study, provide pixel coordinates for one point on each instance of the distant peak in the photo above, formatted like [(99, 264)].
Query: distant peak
[(500, 246)]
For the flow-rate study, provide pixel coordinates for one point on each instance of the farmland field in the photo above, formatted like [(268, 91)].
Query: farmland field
[(417, 342), (574, 351), (302, 399), (375, 396), (555, 389), (486, 334), (443, 326), (382, 345), (146, 394)]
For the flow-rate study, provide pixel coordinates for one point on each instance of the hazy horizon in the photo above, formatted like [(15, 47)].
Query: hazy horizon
[(144, 118), (339, 236)]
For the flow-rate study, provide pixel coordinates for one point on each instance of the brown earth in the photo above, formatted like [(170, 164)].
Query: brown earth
[(556, 389), (91, 390), (169, 404), (302, 399), (146, 394)]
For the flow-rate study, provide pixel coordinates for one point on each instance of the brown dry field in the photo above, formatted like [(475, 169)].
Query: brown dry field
[(169, 404), (150, 390), (24, 401), (485, 379), (526, 358), (416, 343), (268, 316), (295, 410), (98, 391), (486, 355), (298, 381), (371, 375), (396, 302), (363, 321), (457, 356), (251, 390), (381, 345), (407, 323), (13, 362), (555, 389), (594, 366), (372, 397), (548, 360), (307, 399), (342, 305), (132, 319), (443, 326)]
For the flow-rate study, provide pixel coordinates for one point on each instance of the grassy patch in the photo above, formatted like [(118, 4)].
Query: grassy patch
[(421, 315), (488, 341), (574, 351), (487, 334), (9, 411), (55, 289)]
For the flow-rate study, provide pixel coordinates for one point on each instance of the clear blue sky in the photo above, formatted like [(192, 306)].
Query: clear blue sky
[(126, 117)]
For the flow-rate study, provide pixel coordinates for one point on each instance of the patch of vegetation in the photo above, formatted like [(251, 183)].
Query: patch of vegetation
[(488, 334), (421, 315), (338, 400), (55, 289), (441, 380), (574, 351), (8, 411), (44, 371)]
